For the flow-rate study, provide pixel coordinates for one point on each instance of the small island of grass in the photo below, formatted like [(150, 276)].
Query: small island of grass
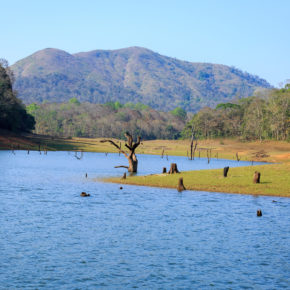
[(275, 178)]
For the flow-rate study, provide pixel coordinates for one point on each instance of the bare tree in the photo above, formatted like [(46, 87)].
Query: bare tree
[(192, 150), (131, 156)]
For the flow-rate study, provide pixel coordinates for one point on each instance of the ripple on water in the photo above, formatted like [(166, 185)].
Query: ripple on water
[(139, 237)]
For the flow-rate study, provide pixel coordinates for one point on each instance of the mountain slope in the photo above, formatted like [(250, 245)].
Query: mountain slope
[(131, 74)]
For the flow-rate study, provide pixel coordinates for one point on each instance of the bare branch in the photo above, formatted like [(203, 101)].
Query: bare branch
[(121, 166), (126, 145), (116, 145), (132, 153), (129, 139)]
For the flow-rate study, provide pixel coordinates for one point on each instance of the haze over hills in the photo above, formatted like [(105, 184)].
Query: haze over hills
[(131, 74)]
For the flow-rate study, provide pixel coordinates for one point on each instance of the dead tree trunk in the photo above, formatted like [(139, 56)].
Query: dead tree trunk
[(208, 154), (131, 156), (180, 186), (173, 168), (192, 149), (257, 176), (226, 170), (133, 164)]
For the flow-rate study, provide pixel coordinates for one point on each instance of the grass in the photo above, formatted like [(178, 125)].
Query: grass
[(274, 178), (222, 148)]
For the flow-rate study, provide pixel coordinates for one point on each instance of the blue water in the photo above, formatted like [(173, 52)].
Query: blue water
[(138, 237)]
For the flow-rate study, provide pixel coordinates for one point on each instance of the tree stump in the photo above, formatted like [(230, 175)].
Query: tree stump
[(257, 176), (180, 186), (259, 212), (164, 170), (226, 170), (124, 176), (84, 194), (173, 168)]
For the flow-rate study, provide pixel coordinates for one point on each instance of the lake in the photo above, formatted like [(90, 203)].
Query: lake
[(138, 237)]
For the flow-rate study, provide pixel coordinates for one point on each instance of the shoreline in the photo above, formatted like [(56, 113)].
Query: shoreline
[(192, 189), (274, 180)]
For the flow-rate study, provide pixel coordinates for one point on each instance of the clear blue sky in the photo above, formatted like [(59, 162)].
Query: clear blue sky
[(253, 35)]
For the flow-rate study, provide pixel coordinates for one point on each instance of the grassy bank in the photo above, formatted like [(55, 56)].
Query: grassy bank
[(270, 151), (275, 180)]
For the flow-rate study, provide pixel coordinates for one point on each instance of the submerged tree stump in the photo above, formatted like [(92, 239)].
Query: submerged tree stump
[(173, 168), (259, 212), (257, 176), (164, 170), (180, 186), (226, 170), (84, 194)]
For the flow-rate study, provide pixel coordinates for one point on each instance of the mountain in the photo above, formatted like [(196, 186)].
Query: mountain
[(131, 74)]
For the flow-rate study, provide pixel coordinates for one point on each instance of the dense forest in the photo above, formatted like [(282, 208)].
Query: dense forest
[(251, 118), (75, 119), (13, 115)]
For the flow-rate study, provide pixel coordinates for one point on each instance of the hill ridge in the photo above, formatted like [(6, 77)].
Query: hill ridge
[(133, 74)]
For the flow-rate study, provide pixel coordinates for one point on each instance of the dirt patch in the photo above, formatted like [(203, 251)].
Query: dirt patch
[(283, 156), (260, 154)]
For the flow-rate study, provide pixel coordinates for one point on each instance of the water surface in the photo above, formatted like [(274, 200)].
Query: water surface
[(138, 237)]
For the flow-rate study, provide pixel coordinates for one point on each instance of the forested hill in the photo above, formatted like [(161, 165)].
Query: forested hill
[(132, 74), (13, 116)]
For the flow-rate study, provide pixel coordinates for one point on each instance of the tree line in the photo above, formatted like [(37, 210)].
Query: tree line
[(13, 115), (259, 117), (254, 118), (265, 116), (112, 119)]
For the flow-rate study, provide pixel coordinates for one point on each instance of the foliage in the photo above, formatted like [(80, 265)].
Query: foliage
[(31, 108), (13, 115), (74, 101), (252, 118), (227, 105), (109, 120), (179, 112)]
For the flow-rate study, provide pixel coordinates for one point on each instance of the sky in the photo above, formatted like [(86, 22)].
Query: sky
[(252, 35)]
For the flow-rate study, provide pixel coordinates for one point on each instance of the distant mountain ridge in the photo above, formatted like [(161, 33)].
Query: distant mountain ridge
[(133, 74)]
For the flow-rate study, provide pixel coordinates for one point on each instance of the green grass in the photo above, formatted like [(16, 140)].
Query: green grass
[(275, 180)]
